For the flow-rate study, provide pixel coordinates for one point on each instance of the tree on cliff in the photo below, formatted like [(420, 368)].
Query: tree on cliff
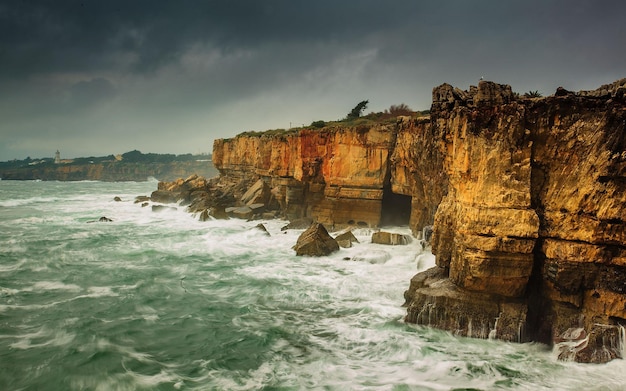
[(357, 110)]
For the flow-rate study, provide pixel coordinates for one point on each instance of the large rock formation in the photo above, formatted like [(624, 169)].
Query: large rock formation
[(526, 197), (530, 239), (341, 175)]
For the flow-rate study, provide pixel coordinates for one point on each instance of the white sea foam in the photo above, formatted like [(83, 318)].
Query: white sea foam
[(42, 337), (158, 291)]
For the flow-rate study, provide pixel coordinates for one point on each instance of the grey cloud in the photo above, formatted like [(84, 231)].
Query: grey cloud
[(71, 70), (90, 92)]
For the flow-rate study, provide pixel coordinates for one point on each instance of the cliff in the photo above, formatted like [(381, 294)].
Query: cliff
[(109, 171), (526, 195), (530, 240), (361, 174)]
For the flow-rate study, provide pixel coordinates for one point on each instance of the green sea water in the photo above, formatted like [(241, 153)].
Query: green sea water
[(162, 301)]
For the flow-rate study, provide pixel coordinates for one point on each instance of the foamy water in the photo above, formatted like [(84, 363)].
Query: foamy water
[(163, 301)]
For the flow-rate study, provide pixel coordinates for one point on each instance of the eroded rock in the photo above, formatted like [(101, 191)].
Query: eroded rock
[(316, 241)]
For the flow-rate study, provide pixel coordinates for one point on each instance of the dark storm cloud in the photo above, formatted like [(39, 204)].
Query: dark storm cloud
[(73, 71)]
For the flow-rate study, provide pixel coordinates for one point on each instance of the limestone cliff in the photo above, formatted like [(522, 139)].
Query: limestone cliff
[(530, 240), (527, 197), (341, 175)]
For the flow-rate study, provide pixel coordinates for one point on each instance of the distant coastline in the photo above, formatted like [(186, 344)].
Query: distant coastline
[(130, 166)]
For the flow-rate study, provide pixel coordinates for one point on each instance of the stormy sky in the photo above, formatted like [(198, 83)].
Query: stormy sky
[(94, 78)]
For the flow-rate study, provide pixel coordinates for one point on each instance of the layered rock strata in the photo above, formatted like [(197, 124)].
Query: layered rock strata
[(530, 240), (342, 175)]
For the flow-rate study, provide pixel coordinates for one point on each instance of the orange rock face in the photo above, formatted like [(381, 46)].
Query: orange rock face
[(534, 215), (336, 176), (527, 198)]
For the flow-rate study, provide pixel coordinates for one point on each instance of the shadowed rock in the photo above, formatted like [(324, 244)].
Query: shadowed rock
[(390, 238), (346, 239), (316, 241)]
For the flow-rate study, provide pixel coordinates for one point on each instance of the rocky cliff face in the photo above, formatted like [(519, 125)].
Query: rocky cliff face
[(527, 197), (530, 239), (351, 175)]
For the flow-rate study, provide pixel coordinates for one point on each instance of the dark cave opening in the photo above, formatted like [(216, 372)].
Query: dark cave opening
[(396, 209)]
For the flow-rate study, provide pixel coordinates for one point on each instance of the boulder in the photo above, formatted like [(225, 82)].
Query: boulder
[(297, 224), (160, 208), (218, 213), (259, 193), (375, 256), (102, 219), (316, 241), (204, 215), (345, 239), (390, 238), (166, 196), (261, 227), (242, 212), (117, 199), (141, 199)]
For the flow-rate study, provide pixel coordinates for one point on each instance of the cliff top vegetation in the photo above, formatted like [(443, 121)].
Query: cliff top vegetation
[(353, 118)]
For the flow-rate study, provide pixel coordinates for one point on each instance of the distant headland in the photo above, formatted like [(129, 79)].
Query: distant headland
[(129, 166)]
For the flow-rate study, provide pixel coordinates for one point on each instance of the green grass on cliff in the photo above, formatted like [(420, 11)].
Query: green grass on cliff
[(366, 120)]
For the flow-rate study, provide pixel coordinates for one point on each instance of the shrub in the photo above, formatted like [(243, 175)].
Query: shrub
[(357, 110), (533, 94)]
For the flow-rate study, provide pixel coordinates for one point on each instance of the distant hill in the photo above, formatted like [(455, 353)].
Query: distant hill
[(130, 166)]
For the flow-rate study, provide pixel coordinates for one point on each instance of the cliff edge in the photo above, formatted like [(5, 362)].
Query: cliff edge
[(530, 240), (526, 196)]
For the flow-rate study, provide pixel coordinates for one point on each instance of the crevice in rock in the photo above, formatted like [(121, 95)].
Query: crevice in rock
[(396, 208)]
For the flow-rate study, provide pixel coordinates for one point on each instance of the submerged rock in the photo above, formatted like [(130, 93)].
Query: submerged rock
[(390, 238), (261, 227), (160, 208), (298, 224), (346, 239), (102, 219), (374, 256), (141, 199), (316, 242)]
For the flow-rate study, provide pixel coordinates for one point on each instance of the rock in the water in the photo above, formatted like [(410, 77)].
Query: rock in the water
[(204, 215), (390, 238), (141, 199), (346, 239), (219, 213), (316, 241), (243, 212), (160, 208), (102, 219), (165, 196), (117, 199), (298, 224), (262, 228), (376, 256)]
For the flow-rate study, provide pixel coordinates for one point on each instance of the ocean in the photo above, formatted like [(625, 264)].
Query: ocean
[(162, 301)]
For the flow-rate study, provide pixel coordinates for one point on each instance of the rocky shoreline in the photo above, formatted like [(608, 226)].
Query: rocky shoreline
[(526, 197)]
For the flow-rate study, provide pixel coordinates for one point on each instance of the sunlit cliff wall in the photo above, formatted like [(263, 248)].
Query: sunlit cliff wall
[(527, 197)]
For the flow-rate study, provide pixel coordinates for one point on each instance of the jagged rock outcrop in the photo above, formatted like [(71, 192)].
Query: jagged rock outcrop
[(316, 242), (532, 225)]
